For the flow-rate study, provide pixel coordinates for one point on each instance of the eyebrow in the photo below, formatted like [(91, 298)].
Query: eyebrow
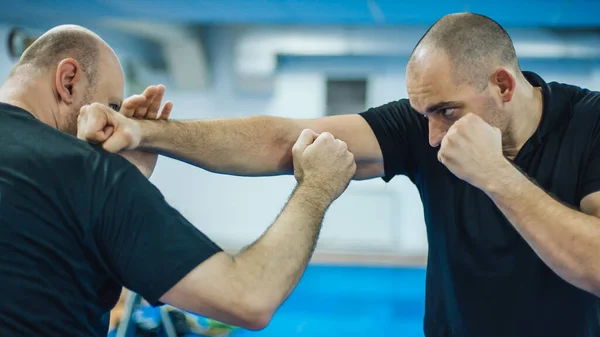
[(440, 106)]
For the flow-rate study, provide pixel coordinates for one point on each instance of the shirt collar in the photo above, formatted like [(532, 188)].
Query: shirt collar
[(554, 104)]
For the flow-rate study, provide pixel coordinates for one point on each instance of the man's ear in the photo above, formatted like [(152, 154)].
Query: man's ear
[(505, 83), (68, 73)]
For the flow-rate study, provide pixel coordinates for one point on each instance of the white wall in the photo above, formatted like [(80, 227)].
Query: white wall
[(369, 218)]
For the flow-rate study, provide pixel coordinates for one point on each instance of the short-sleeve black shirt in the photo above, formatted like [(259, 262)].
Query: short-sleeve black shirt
[(483, 279), (77, 224)]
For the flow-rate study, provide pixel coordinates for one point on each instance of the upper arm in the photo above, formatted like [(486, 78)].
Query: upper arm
[(590, 185), (356, 132), (142, 241), (382, 139), (590, 204)]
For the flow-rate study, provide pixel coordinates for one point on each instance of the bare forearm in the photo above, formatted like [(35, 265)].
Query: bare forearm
[(246, 290), (240, 146), (568, 241), (276, 262)]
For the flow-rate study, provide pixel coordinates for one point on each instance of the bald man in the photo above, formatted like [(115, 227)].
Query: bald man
[(507, 166), (78, 223)]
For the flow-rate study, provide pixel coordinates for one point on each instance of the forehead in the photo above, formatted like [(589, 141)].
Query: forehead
[(429, 79)]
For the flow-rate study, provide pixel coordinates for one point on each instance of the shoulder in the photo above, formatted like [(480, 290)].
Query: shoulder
[(82, 159), (93, 156), (578, 114), (580, 100), (110, 168), (54, 149)]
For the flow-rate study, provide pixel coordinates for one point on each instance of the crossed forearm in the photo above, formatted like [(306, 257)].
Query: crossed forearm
[(568, 241), (239, 146), (276, 262)]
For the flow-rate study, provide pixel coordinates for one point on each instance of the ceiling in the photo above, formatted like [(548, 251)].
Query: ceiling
[(517, 13)]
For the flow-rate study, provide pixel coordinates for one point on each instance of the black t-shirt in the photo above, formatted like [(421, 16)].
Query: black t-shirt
[(76, 224), (483, 279)]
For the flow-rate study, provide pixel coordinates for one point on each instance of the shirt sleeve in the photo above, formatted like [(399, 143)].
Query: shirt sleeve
[(400, 131), (145, 244), (591, 177)]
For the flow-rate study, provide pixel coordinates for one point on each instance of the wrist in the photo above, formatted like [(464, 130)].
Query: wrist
[(318, 196), (147, 130), (500, 177)]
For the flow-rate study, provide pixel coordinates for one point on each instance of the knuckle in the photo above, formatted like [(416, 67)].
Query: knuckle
[(441, 156), (351, 157), (295, 150), (128, 134)]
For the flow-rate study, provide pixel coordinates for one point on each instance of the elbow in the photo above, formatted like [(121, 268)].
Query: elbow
[(255, 315), (587, 279), (240, 313)]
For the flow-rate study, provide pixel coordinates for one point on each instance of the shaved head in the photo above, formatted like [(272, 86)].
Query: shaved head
[(64, 69), (465, 63), (474, 44), (67, 41)]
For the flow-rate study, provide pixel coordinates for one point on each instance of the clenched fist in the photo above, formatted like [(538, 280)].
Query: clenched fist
[(472, 150), (118, 131), (323, 162)]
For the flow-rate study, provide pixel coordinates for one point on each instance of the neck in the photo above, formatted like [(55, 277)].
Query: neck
[(525, 119), (29, 95)]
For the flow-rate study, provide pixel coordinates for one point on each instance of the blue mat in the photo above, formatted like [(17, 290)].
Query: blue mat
[(352, 301), (336, 301)]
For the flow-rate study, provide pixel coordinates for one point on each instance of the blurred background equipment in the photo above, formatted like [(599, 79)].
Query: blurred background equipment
[(306, 59), (18, 41)]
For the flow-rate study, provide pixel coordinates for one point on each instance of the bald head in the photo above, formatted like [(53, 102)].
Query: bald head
[(64, 69), (67, 41), (473, 44)]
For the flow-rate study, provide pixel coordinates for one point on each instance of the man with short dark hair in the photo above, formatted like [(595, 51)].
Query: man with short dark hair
[(509, 181), (470, 41), (78, 223)]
